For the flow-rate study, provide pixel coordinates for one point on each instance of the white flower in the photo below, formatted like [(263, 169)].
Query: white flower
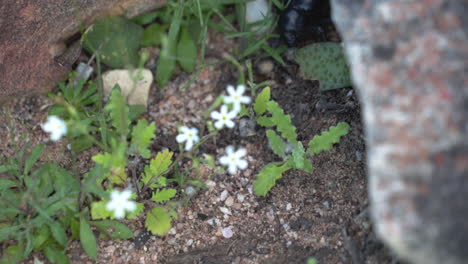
[(224, 118), (233, 159), (236, 97), (120, 203), (56, 127), (190, 135)]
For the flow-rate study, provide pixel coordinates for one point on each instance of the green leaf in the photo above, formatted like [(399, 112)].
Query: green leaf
[(282, 121), (268, 176), (81, 143), (33, 157), (41, 236), (158, 165), (99, 210), (58, 233), (113, 228), (118, 111), (298, 154), (88, 241), (29, 244), (153, 35), (135, 111), (186, 51), (12, 254), (308, 167), (6, 184), (139, 208), (276, 143), (6, 168), (158, 221), (265, 121), (325, 62), (326, 140), (145, 18), (166, 63), (116, 40), (142, 135), (260, 105), (311, 261), (163, 195), (55, 254)]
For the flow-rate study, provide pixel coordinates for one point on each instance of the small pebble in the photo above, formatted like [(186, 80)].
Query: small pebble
[(266, 67), (225, 210), (189, 242), (227, 232), (229, 201), (288, 207), (223, 196), (240, 197), (190, 191)]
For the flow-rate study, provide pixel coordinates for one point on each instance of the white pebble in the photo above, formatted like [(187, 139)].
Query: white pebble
[(189, 242), (223, 196), (225, 210), (288, 207), (240, 197), (227, 232), (210, 221), (229, 201)]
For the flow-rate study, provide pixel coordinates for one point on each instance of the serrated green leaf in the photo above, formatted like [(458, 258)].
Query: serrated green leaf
[(158, 221), (298, 154), (265, 121), (163, 195), (268, 176), (32, 158), (99, 210), (58, 233), (325, 62), (326, 140), (158, 165), (142, 135), (153, 34), (134, 214), (88, 241), (282, 121), (260, 105), (113, 228), (186, 51), (276, 143), (118, 111)]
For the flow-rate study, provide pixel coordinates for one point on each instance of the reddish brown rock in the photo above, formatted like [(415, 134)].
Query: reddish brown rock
[(33, 53), (409, 61)]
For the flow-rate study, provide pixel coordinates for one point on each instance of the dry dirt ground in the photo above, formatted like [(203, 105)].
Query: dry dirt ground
[(322, 214)]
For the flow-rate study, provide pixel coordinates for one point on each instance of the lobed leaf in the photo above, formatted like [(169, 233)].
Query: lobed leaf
[(260, 105), (298, 154), (158, 165), (163, 195), (142, 135), (268, 176), (99, 210), (118, 111), (158, 221), (282, 121), (326, 140)]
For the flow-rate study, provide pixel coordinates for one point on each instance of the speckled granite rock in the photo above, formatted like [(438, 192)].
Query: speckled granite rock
[(33, 55), (409, 61)]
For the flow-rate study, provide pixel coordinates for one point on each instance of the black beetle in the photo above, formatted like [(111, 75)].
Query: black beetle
[(303, 16)]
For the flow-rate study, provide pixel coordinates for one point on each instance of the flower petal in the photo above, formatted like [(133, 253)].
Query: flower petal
[(245, 100), (130, 206), (240, 89), (224, 160), (188, 145), (216, 115), (219, 124), (229, 123), (230, 90), (184, 129), (232, 169), (230, 150), (181, 138), (125, 195), (242, 164), (224, 110), (241, 153)]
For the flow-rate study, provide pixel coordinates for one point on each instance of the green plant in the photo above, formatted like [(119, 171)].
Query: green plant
[(282, 138), (39, 204), (325, 62), (115, 40)]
